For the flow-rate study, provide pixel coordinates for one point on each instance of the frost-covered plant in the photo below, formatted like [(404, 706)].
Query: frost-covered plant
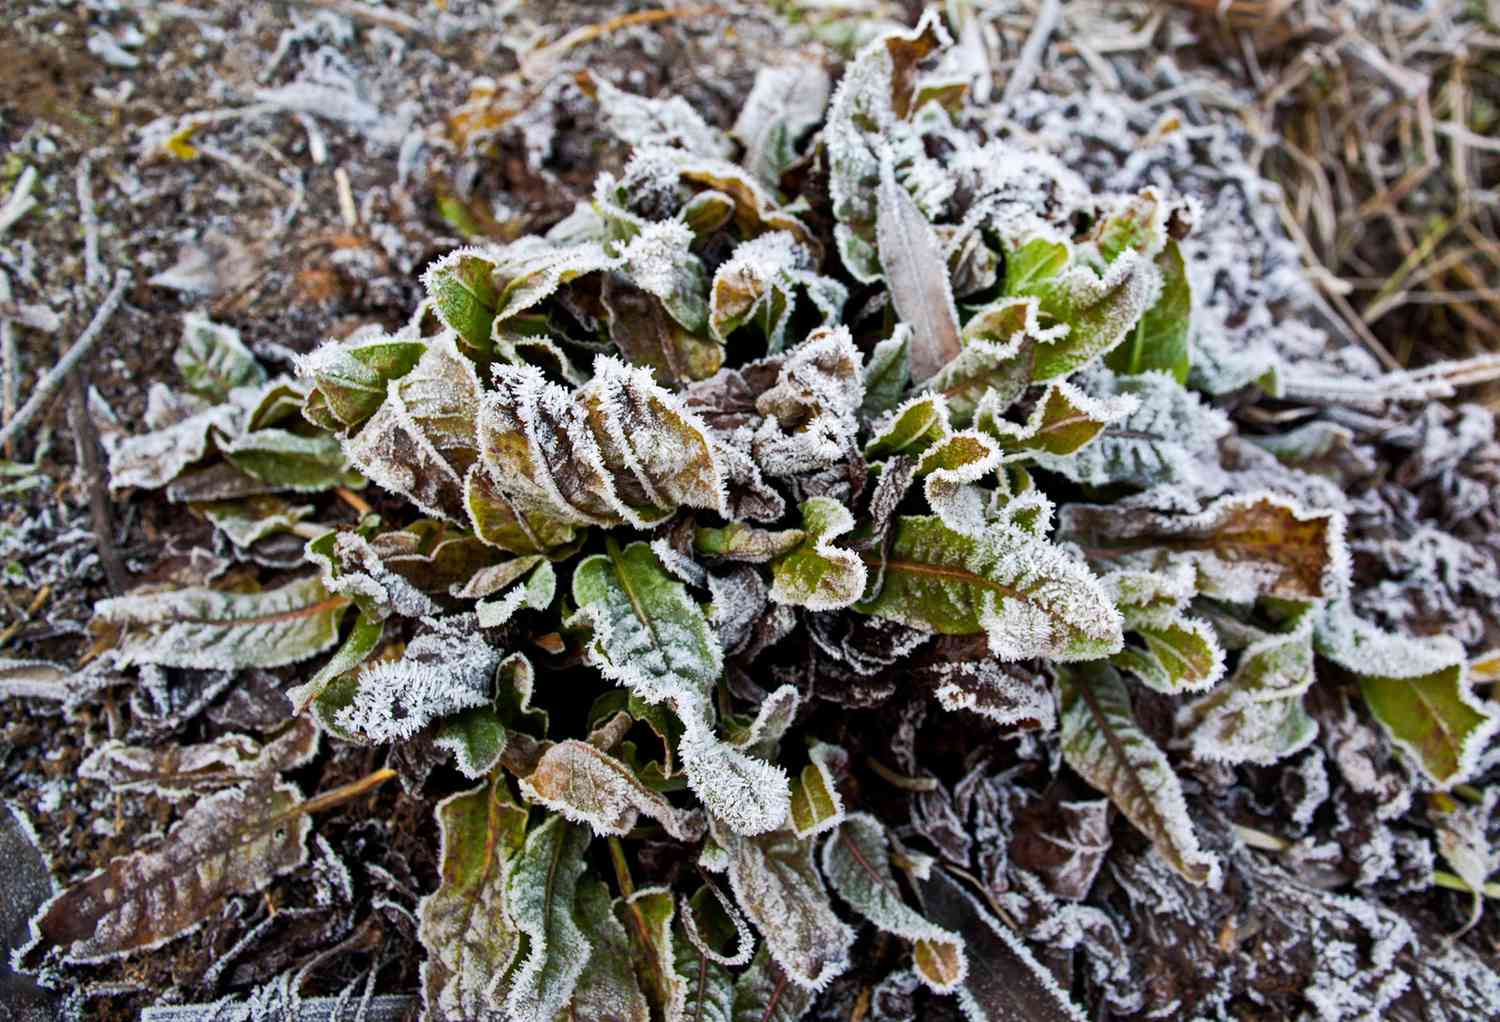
[(922, 413)]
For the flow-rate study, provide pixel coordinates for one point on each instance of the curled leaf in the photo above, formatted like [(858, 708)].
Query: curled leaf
[(816, 574)]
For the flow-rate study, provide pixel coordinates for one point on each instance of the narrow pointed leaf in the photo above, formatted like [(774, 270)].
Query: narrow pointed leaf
[(917, 276), (542, 893)]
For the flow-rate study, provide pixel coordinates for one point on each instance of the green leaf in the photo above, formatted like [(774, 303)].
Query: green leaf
[(778, 887), (363, 638), (995, 364), (1099, 309), (210, 630), (912, 428), (759, 283), (857, 864), (465, 924), (478, 736), (1064, 420), (887, 373), (816, 574), (353, 378), (542, 892), (1025, 594), (1176, 653), (659, 261), (1420, 690), (607, 987), (1257, 716), (291, 461), (783, 104), (816, 804), (641, 326), (652, 637), (464, 295), (1160, 339), (213, 360), (1103, 743), (647, 915)]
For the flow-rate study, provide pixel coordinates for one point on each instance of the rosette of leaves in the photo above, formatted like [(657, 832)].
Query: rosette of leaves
[(618, 463)]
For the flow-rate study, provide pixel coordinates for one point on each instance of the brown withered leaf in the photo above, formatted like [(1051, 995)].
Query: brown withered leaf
[(1241, 546), (1064, 843), (917, 276), (234, 842)]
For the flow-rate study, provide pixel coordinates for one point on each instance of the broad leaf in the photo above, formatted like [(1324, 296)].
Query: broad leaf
[(1026, 595), (648, 335), (213, 360), (758, 284), (1103, 743), (352, 378), (1242, 547), (775, 882), (465, 924), (887, 373), (1418, 689), (857, 864), (178, 770), (1064, 420), (542, 894), (607, 987), (290, 461), (816, 803), (782, 105), (816, 574), (232, 843), (1161, 338), (1257, 715), (210, 630), (588, 786)]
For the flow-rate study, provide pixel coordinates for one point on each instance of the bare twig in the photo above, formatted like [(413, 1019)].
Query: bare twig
[(1030, 59), (86, 443), (20, 201), (93, 268), (48, 384)]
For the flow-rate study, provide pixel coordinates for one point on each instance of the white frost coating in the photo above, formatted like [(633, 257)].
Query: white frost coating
[(818, 575), (783, 104), (154, 459), (1105, 409), (857, 865), (1168, 439), (420, 440), (587, 786), (535, 593), (356, 571), (987, 688), (759, 282), (659, 261), (636, 120), (951, 468), (772, 718), (447, 669), (749, 795), (775, 881), (1257, 716), (542, 890)]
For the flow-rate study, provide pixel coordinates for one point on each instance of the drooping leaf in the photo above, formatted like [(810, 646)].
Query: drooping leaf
[(1161, 337), (1026, 595), (542, 895), (1419, 690), (210, 630), (231, 843), (775, 882), (213, 360), (816, 574), (590, 787), (1241, 546), (465, 924), (917, 276), (176, 771), (660, 261), (648, 335), (1103, 743), (857, 864)]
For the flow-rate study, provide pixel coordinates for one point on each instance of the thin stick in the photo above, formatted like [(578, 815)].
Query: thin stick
[(10, 358), (1030, 59), (20, 201), (86, 442), (340, 795), (47, 385), (93, 268)]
